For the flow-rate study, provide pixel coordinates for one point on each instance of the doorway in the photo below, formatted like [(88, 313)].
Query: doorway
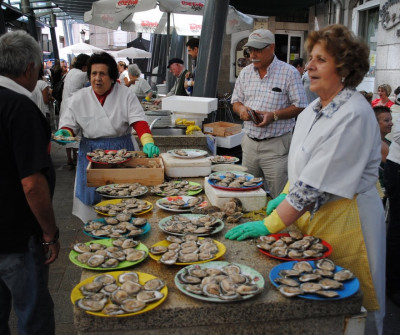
[(288, 45)]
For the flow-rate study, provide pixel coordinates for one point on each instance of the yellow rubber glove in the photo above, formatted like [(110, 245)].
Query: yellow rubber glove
[(274, 223)]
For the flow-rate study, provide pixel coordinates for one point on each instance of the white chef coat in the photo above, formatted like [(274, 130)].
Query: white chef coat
[(341, 155), (73, 81), (37, 96), (84, 111), (394, 149), (140, 87), (124, 74)]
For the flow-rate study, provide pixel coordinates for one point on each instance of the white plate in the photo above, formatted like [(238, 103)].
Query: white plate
[(183, 197), (191, 153), (246, 270)]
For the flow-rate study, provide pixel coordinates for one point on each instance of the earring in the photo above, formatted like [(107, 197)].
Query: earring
[(343, 79)]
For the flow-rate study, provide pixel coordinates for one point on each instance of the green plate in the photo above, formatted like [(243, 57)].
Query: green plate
[(188, 192), (107, 242)]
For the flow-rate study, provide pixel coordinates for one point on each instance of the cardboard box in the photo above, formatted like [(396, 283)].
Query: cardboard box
[(222, 128), (99, 175), (198, 105)]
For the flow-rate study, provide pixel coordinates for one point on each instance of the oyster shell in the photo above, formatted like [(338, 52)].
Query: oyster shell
[(149, 296), (288, 291), (81, 248), (343, 275), (105, 279), (325, 264), (155, 284), (330, 284), (286, 281), (132, 305), (89, 304), (95, 261), (310, 287), (327, 294), (131, 287), (132, 276), (302, 267), (112, 309)]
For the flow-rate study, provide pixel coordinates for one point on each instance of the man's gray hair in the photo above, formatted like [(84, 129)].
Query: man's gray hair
[(134, 70), (18, 49)]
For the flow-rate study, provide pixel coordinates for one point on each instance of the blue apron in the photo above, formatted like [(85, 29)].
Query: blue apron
[(84, 193)]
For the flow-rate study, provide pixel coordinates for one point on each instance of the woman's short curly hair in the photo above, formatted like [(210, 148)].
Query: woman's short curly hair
[(386, 87), (107, 59), (350, 53)]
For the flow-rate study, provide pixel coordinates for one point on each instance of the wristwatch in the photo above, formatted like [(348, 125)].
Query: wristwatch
[(55, 239), (275, 116)]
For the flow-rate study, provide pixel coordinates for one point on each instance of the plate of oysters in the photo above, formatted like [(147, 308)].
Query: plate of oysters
[(177, 187), (109, 157), (219, 281), (234, 181), (116, 226), (64, 139), (293, 246), (179, 203), (108, 254), (122, 190), (185, 250), (119, 294), (223, 159), (127, 206), (315, 280), (187, 153), (196, 224)]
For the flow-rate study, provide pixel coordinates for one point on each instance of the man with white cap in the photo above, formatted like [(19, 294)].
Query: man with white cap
[(268, 95)]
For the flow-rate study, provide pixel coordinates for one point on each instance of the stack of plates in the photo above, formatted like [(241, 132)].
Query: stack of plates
[(163, 116)]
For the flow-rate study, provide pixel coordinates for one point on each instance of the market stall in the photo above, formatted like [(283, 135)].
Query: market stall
[(263, 311)]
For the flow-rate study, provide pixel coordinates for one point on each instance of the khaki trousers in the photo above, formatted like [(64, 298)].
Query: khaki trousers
[(268, 159)]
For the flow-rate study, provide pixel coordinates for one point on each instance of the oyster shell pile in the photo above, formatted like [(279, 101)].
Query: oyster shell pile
[(172, 188), (109, 157), (227, 283), (295, 246), (64, 138), (123, 190), (222, 159), (231, 211), (187, 249), (182, 224), (99, 255), (128, 294), (322, 280), (179, 203), (230, 179), (127, 206), (121, 225)]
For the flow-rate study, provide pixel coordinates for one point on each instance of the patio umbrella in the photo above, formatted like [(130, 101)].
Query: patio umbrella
[(80, 48), (131, 53), (110, 13), (145, 16)]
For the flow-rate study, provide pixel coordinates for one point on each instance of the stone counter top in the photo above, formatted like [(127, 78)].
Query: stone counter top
[(267, 313)]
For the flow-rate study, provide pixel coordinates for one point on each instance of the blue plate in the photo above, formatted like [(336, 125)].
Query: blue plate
[(146, 228), (350, 287), (237, 174)]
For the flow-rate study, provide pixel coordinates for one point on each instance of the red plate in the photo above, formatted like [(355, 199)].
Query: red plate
[(104, 163), (277, 236)]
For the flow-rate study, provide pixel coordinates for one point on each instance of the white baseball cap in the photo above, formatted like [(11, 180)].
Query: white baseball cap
[(260, 38)]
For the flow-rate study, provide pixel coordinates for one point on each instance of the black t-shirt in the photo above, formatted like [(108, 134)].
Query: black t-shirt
[(25, 150)]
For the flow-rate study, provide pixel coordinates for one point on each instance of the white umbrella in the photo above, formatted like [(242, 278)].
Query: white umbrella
[(144, 16), (80, 48), (110, 13), (155, 21), (131, 53)]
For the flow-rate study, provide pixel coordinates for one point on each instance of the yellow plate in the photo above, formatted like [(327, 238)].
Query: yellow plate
[(76, 293), (165, 243), (117, 201)]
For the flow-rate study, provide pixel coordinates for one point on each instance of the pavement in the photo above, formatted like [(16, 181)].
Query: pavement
[(64, 275)]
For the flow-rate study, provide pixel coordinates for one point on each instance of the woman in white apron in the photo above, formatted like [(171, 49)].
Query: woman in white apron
[(105, 113), (333, 168)]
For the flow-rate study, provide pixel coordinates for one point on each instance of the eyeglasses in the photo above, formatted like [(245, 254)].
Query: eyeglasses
[(250, 49)]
